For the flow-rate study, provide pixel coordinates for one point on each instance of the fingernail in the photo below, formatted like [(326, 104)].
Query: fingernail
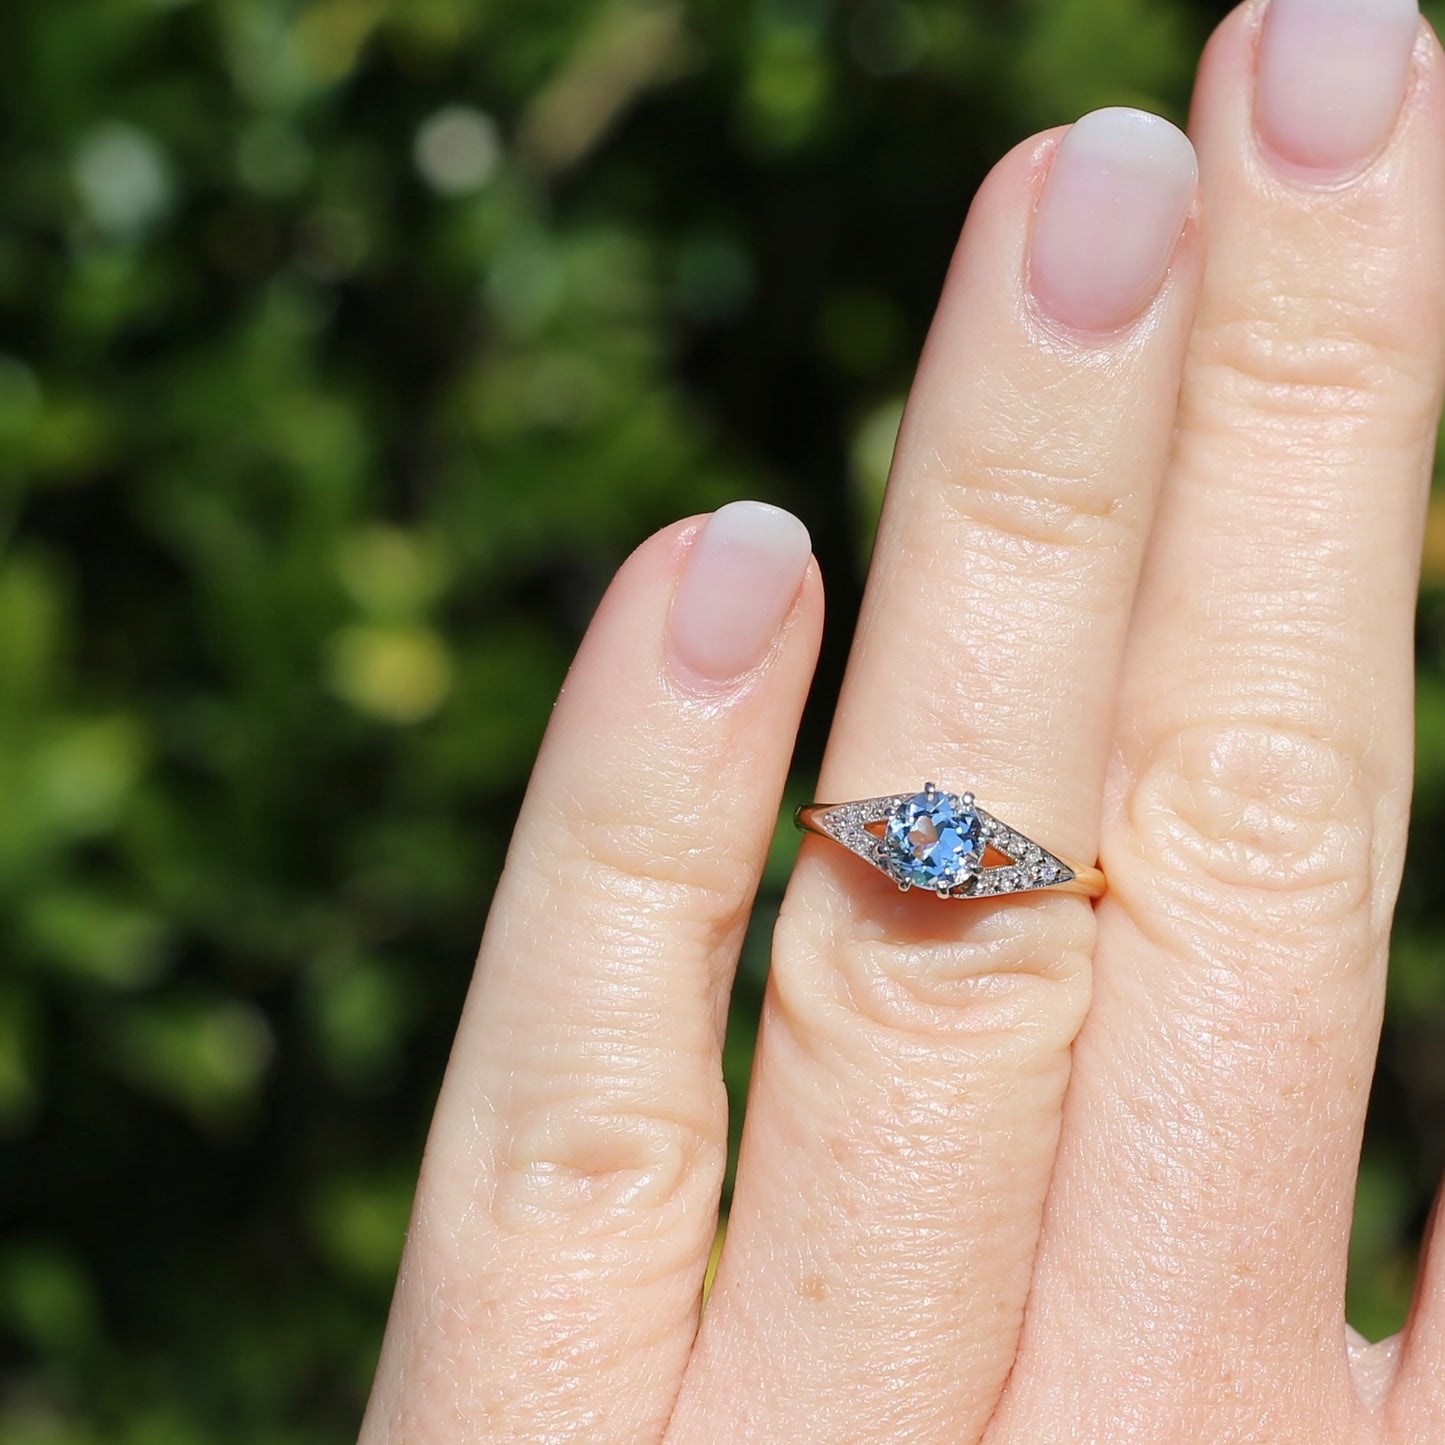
[(1109, 218), (740, 582), (1331, 78)]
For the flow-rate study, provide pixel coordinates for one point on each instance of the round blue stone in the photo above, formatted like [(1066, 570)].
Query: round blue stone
[(933, 841)]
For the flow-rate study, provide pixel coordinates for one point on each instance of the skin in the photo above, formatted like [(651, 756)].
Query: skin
[(1016, 1172)]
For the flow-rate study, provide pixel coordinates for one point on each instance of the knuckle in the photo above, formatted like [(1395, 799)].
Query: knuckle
[(648, 1170), (634, 879), (523, 1220), (1260, 828), (671, 847), (1037, 517), (1280, 362), (1039, 470), (1010, 975)]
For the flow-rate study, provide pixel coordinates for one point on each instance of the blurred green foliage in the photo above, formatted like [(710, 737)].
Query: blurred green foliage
[(345, 349)]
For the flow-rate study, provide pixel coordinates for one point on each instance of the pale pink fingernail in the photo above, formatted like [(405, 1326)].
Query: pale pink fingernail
[(740, 582), (1110, 216), (1330, 80)]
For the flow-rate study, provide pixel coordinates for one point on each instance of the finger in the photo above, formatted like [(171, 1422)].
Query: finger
[(1255, 819), (1414, 1360), (568, 1199), (913, 1053)]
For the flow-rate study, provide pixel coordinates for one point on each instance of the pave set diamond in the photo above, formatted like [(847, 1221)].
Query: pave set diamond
[(938, 840)]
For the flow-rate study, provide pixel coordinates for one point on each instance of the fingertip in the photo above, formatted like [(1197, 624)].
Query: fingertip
[(1110, 217), (740, 581), (1330, 79), (1318, 94), (1086, 234)]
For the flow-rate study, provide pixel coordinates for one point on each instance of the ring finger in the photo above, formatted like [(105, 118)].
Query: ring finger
[(914, 1053)]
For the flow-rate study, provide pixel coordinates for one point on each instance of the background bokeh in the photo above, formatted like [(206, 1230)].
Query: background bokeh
[(346, 346)]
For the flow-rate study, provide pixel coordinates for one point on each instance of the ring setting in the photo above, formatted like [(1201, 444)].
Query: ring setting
[(945, 843)]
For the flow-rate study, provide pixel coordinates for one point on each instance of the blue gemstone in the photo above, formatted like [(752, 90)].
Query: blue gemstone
[(934, 841)]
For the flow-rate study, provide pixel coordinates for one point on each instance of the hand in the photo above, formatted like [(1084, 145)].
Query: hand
[(1022, 1171)]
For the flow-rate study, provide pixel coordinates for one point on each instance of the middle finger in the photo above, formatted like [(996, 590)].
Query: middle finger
[(913, 1057), (1200, 1209)]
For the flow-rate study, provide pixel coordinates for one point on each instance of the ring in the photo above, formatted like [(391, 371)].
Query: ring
[(946, 843)]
